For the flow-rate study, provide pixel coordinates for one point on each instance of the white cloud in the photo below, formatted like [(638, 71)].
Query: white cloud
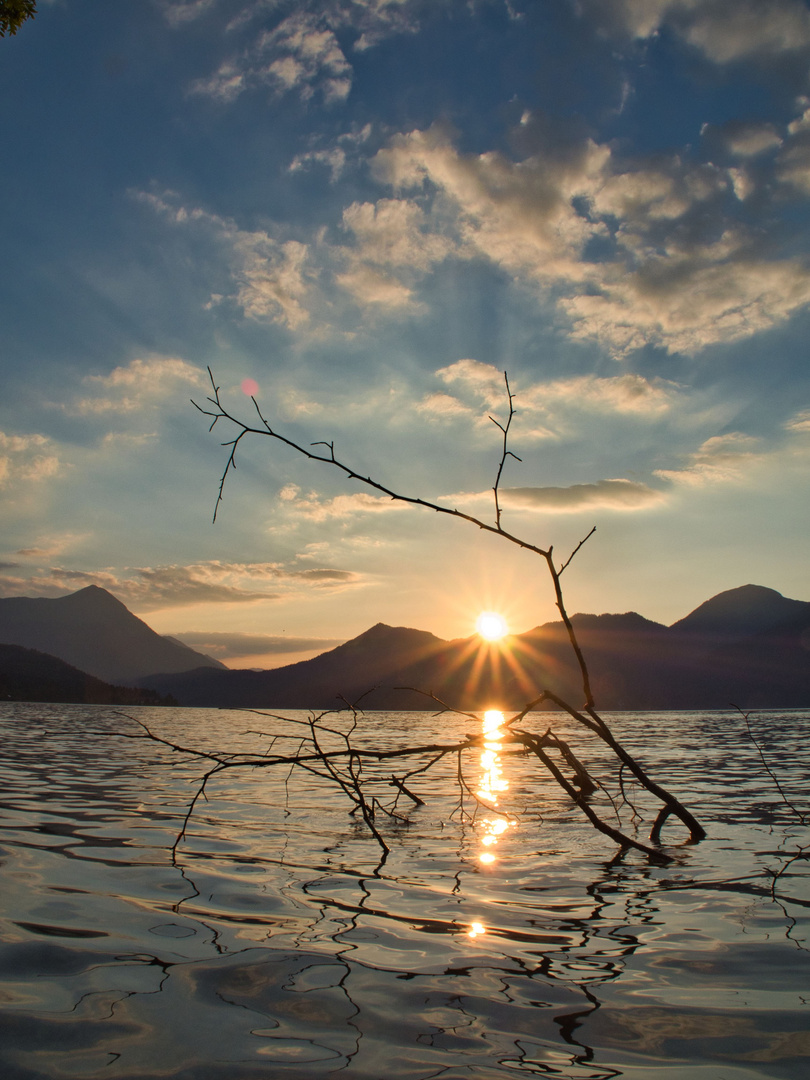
[(520, 215), (131, 387), (300, 55), (27, 459), (270, 273), (725, 31), (624, 394), (369, 286), (483, 379), (793, 163), (603, 495), (150, 587), (334, 160), (389, 236), (627, 394), (46, 547), (742, 182), (313, 507), (624, 495), (225, 85), (179, 12), (745, 139), (669, 277), (799, 422), (444, 407), (225, 646), (393, 232), (687, 304), (732, 30), (721, 459)]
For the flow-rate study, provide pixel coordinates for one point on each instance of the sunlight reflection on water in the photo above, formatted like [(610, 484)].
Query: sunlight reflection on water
[(492, 783), (274, 949)]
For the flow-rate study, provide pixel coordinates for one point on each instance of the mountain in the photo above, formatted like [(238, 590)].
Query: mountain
[(743, 612), (28, 675), (750, 646), (96, 633)]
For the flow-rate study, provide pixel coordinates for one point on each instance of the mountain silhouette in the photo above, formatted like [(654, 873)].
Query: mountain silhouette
[(749, 646), (96, 633), (28, 675)]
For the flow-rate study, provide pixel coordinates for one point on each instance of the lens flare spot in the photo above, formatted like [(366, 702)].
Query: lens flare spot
[(491, 626), (250, 387)]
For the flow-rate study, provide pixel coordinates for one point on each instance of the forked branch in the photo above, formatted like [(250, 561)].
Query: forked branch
[(344, 767)]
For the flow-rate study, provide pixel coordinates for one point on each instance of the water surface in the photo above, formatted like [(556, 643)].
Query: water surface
[(275, 945)]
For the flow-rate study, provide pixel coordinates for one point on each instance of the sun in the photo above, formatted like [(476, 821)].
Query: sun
[(491, 626)]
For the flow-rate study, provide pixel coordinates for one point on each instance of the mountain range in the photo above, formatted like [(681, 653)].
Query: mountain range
[(28, 675), (749, 646), (94, 632)]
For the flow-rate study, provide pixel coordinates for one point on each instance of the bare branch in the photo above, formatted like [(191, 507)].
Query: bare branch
[(576, 549), (506, 452), (344, 766)]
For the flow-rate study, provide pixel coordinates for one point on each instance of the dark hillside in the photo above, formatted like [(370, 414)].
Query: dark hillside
[(28, 675)]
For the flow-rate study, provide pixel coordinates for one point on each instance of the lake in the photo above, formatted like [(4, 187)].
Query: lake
[(487, 945)]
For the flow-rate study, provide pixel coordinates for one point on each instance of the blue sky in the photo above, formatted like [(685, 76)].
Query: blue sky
[(372, 208)]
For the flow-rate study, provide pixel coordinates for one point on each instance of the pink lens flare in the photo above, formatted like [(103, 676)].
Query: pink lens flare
[(250, 387)]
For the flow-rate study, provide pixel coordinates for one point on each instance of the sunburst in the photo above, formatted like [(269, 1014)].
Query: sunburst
[(491, 626)]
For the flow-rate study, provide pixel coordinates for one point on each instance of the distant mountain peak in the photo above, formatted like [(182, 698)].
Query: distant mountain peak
[(741, 612), (92, 630)]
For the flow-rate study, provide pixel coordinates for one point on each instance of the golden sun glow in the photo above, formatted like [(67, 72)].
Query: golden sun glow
[(491, 626)]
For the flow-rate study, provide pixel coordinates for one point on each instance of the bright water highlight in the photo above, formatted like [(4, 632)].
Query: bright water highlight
[(274, 947)]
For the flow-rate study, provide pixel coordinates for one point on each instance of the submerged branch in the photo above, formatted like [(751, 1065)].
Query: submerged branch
[(344, 765)]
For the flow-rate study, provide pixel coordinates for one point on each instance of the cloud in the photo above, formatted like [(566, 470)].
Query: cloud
[(336, 157), (147, 588), (793, 163), (370, 286), (334, 160), (225, 85), (269, 272), (445, 407), (633, 253), (310, 59), (602, 495), (799, 422), (721, 459), (725, 31), (485, 380), (519, 215), (46, 547), (225, 646), (391, 234), (27, 459), (314, 508), (687, 305), (732, 30), (134, 386), (271, 278), (301, 55), (179, 12), (742, 138), (629, 395), (674, 269)]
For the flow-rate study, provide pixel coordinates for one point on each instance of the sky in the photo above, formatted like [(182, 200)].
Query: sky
[(365, 212)]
